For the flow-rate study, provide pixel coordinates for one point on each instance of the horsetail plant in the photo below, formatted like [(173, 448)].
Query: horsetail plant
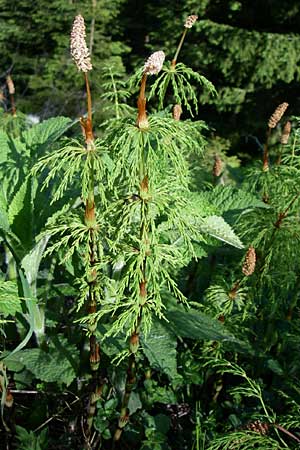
[(155, 223), (272, 123), (76, 234), (179, 76), (80, 54), (190, 20)]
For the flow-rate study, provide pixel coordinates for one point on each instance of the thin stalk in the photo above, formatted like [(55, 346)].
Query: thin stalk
[(277, 225), (115, 94), (87, 123), (279, 156), (174, 60), (288, 433), (13, 105), (266, 151), (293, 147)]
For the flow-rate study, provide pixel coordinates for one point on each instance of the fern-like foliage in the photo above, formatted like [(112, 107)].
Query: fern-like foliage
[(180, 79), (71, 162), (115, 93)]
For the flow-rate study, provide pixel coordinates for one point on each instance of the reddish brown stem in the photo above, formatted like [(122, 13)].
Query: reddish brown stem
[(266, 152), (283, 214), (142, 120), (87, 123), (13, 105), (288, 433)]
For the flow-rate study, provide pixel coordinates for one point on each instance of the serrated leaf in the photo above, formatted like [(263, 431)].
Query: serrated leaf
[(193, 324), (10, 302), (216, 227), (226, 198), (4, 223), (47, 131), (4, 146), (20, 212), (18, 201), (49, 367), (12, 362), (160, 349)]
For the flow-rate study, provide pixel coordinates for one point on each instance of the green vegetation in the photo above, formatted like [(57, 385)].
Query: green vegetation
[(149, 280)]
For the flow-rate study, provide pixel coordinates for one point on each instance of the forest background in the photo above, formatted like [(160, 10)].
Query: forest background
[(249, 50)]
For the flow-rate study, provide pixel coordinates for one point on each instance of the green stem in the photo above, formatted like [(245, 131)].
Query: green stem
[(115, 94), (89, 97), (293, 148), (174, 60)]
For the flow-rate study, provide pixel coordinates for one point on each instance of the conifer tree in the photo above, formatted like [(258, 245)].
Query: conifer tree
[(34, 42), (249, 50)]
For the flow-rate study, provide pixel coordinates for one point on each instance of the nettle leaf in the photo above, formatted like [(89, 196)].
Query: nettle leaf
[(47, 131), (20, 211), (226, 198), (4, 222), (216, 227), (4, 146), (193, 324), (18, 201), (10, 302), (160, 349), (55, 366)]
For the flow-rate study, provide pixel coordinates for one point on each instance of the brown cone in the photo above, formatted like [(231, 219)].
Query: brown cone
[(218, 166), (277, 114), (286, 133), (258, 427), (249, 262), (177, 111)]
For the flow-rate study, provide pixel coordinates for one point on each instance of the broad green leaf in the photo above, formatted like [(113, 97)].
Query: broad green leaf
[(49, 367), (4, 223), (20, 212), (226, 198), (35, 316), (47, 131), (4, 146), (160, 349), (111, 345), (193, 324), (18, 202), (134, 402), (28, 440), (216, 227), (10, 302), (12, 361)]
